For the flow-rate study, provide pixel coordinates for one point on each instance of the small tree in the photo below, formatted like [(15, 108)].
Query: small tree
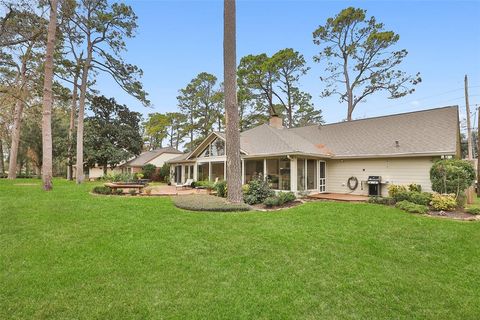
[(452, 176), (149, 170)]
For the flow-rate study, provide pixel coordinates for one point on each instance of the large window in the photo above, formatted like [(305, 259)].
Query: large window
[(312, 174), (253, 168), (190, 172), (301, 174), (218, 148), (214, 149), (218, 171), (278, 173), (203, 172)]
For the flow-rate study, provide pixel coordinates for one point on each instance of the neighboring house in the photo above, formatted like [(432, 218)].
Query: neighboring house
[(96, 172), (156, 157), (329, 158)]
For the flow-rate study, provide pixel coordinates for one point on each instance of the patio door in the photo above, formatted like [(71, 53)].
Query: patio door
[(322, 182), (178, 174)]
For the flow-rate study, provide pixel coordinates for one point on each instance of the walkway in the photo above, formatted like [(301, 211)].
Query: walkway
[(339, 197)]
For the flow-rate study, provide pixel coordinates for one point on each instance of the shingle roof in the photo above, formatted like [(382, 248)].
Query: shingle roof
[(180, 158), (148, 156), (431, 131), (426, 132)]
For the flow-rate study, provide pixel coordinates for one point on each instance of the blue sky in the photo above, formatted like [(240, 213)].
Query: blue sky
[(176, 40)]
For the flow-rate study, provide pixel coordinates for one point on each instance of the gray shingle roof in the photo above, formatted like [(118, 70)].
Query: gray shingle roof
[(147, 156), (431, 131), (426, 132)]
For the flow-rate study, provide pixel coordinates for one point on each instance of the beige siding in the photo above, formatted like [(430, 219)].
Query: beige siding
[(160, 160), (392, 170)]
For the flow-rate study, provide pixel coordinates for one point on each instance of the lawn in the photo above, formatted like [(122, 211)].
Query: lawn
[(68, 254)]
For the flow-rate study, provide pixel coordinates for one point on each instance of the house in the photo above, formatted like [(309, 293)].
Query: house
[(157, 157), (354, 157)]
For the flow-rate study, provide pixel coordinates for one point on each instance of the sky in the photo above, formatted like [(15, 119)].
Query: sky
[(176, 40)]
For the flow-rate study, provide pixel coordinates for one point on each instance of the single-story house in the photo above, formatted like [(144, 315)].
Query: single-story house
[(157, 157), (344, 157)]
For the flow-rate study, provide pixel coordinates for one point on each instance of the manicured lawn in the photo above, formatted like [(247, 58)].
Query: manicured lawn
[(70, 255)]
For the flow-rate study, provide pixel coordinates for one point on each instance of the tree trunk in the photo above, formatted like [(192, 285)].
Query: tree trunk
[(81, 112), (71, 127), (47, 170), (232, 132), (2, 164)]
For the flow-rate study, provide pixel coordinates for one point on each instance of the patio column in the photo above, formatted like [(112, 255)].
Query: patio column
[(243, 171), (209, 171), (264, 168), (225, 170), (293, 174), (195, 171)]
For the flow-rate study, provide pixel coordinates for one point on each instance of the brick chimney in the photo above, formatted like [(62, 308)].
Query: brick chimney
[(276, 122)]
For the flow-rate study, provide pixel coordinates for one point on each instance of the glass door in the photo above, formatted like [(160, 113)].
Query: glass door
[(323, 177)]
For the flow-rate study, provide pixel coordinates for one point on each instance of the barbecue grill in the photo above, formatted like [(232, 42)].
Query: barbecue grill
[(374, 185)]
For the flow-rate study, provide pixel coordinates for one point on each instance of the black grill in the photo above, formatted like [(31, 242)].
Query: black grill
[(374, 185)]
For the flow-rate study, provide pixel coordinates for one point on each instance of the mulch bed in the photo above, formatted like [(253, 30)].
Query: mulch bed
[(262, 207), (455, 215)]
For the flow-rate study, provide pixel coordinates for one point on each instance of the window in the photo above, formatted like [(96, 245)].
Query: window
[(284, 165), (190, 172), (218, 148), (203, 172), (311, 174), (253, 168), (273, 173), (205, 153), (218, 171), (301, 174)]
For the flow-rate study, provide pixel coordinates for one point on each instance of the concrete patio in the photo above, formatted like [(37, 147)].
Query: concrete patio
[(174, 191)]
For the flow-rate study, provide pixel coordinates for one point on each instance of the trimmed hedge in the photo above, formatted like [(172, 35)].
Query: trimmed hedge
[(411, 207), (200, 202)]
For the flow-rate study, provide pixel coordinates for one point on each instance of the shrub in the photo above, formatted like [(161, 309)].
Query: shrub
[(117, 177), (414, 187), (102, 190), (221, 188), (394, 189), (271, 201), (474, 210), (445, 202), (132, 192), (139, 176), (286, 197), (205, 184), (422, 198), (411, 207), (164, 173), (197, 202), (388, 201), (149, 170), (258, 190), (451, 176)]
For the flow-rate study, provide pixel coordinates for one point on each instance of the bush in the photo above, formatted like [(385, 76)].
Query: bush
[(451, 176), (445, 202), (221, 188), (414, 187), (422, 198), (117, 177), (164, 173), (148, 171), (204, 184), (271, 201), (388, 201), (258, 190), (102, 190), (411, 207), (139, 176), (286, 197), (132, 192), (394, 189), (474, 210)]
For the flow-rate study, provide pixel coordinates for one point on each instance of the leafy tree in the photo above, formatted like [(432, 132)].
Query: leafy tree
[(104, 27), (452, 176), (149, 170), (176, 132), (156, 129), (357, 59), (112, 134)]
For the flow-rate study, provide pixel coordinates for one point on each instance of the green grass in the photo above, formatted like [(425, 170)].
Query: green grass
[(71, 255)]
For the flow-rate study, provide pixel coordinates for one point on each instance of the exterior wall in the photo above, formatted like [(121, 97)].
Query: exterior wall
[(161, 159), (392, 170), (97, 172)]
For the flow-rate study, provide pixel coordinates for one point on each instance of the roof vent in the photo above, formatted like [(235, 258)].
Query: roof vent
[(276, 122), (397, 144)]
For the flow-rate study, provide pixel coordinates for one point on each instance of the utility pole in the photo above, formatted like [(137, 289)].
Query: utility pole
[(478, 149), (469, 128)]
